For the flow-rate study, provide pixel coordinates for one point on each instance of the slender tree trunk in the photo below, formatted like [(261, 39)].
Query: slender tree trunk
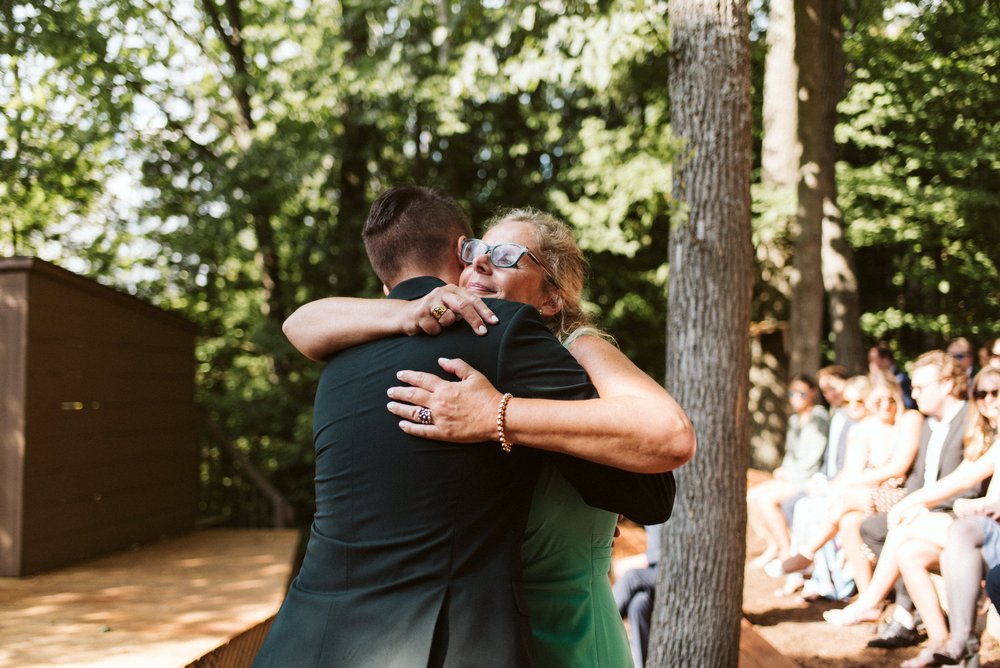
[(229, 30), (839, 277), (352, 182), (700, 582), (780, 146), (779, 174), (806, 322)]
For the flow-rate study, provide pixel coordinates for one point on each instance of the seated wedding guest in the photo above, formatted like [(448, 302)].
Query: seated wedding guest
[(829, 579), (633, 593), (940, 389), (885, 445), (961, 351), (972, 549), (805, 443), (880, 359), (918, 532)]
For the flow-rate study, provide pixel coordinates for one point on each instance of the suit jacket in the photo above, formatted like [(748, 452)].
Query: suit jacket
[(414, 552), (951, 457)]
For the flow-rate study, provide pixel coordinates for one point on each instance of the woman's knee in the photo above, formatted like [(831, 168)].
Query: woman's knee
[(915, 554)]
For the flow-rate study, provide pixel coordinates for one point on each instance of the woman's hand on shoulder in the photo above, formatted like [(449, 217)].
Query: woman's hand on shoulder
[(443, 307)]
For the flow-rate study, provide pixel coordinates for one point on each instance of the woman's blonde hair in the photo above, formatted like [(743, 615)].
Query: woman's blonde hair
[(880, 379), (564, 259), (979, 434), (860, 384)]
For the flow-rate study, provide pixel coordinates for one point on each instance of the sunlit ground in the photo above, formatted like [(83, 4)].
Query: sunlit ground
[(162, 605)]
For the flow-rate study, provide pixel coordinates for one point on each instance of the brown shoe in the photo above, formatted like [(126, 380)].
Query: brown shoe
[(796, 562)]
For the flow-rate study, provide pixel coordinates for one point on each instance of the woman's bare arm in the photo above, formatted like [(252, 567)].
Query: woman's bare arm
[(904, 451), (321, 328), (635, 425), (855, 455), (966, 475)]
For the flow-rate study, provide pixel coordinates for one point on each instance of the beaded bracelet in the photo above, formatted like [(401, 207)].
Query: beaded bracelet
[(505, 445)]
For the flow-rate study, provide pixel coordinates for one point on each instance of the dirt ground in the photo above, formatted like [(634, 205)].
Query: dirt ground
[(796, 629)]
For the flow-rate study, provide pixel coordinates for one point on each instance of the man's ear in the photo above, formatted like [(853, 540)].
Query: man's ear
[(553, 304)]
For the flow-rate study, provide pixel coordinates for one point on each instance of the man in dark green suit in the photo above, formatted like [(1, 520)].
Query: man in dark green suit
[(414, 553)]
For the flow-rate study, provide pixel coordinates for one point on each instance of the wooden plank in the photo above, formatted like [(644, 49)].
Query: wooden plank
[(108, 436), (755, 652), (13, 324), (162, 606), (68, 281)]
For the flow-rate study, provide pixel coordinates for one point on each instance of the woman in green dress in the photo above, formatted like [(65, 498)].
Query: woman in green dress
[(529, 256)]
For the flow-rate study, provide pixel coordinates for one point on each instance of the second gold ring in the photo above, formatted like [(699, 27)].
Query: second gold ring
[(438, 311)]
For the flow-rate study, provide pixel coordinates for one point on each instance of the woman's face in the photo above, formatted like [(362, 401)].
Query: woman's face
[(881, 403), (800, 396), (524, 282), (987, 399), (854, 404)]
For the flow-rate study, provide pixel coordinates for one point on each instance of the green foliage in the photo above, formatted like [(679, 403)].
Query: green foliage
[(918, 183), (256, 134), (219, 160)]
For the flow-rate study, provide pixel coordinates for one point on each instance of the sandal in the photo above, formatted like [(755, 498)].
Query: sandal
[(967, 656), (926, 657), (852, 615), (796, 562)]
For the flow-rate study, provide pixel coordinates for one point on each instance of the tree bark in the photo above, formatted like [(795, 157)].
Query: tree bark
[(806, 321), (839, 277), (700, 582)]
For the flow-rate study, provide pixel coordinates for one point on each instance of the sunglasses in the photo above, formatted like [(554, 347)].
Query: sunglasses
[(501, 255), (982, 394)]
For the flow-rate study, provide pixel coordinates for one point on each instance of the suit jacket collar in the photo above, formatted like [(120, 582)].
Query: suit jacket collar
[(415, 288)]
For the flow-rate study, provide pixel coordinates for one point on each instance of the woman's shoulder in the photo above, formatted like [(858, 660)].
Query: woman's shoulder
[(911, 417), (821, 411)]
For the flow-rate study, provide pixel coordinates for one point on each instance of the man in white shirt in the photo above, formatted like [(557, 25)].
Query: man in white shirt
[(940, 386)]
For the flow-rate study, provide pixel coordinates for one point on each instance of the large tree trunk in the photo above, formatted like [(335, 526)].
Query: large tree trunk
[(779, 175), (839, 277), (700, 583), (806, 322)]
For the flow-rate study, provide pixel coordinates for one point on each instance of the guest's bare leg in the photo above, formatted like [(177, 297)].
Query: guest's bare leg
[(855, 550), (962, 567), (916, 557), (765, 506)]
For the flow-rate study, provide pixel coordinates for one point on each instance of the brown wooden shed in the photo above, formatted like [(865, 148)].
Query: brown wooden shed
[(98, 427)]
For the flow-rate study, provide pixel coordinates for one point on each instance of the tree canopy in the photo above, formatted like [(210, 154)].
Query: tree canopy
[(218, 158)]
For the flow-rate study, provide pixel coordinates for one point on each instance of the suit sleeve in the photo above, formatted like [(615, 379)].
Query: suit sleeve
[(533, 364)]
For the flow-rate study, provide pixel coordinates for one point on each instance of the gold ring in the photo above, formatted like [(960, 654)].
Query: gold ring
[(438, 311)]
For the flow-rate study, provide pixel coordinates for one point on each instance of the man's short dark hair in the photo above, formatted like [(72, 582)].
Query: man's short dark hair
[(412, 228)]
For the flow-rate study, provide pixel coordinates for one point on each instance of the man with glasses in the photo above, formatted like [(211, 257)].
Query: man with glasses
[(940, 387)]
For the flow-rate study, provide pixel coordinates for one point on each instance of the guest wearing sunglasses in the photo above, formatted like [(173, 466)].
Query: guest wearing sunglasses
[(972, 550), (883, 450), (805, 443), (920, 529), (530, 257)]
